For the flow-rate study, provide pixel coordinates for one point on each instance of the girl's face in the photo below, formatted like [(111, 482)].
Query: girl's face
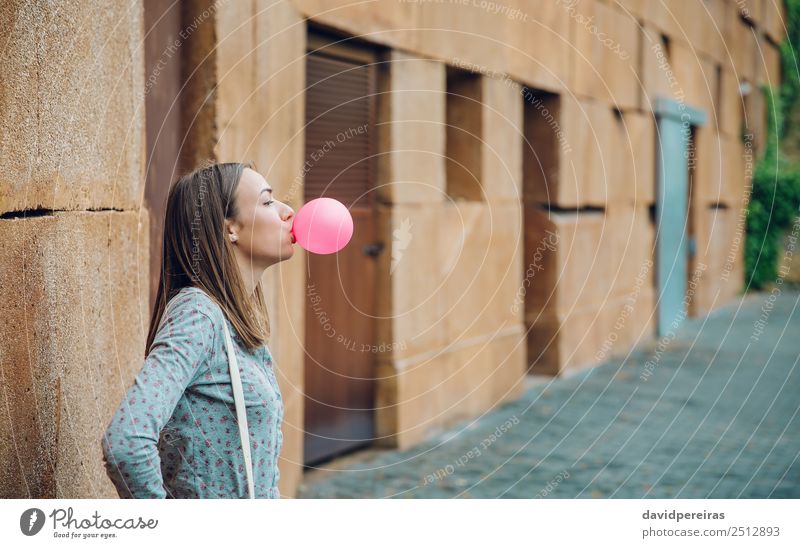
[(260, 232)]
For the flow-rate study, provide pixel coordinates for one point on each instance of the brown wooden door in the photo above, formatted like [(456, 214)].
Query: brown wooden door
[(340, 295)]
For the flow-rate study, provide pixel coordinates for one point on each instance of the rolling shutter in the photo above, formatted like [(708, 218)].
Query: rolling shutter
[(339, 130)]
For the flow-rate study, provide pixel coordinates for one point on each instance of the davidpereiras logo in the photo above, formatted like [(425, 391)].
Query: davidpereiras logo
[(31, 521)]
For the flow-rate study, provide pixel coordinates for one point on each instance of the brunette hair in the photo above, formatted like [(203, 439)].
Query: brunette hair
[(197, 253)]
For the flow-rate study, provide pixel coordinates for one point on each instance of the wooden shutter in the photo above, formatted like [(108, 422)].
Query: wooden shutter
[(339, 132)]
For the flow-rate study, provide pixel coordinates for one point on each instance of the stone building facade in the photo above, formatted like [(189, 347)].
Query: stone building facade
[(506, 162)]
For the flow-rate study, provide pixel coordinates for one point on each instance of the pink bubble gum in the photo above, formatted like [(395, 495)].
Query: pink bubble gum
[(323, 226)]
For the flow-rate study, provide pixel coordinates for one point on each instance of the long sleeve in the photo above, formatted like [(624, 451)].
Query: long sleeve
[(130, 443)]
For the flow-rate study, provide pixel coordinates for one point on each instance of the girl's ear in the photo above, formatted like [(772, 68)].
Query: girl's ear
[(231, 231)]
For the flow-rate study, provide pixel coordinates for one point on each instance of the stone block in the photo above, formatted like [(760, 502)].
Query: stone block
[(72, 88), (73, 341)]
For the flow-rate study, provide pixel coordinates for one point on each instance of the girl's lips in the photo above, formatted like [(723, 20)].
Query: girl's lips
[(292, 238)]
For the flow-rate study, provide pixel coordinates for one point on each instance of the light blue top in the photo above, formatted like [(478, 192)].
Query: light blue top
[(175, 434)]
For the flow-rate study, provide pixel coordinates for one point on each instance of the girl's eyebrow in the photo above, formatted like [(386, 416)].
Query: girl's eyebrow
[(265, 189)]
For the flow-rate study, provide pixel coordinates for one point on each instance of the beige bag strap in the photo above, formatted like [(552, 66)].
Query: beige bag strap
[(241, 415)]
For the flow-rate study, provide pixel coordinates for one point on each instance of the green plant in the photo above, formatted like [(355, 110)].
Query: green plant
[(775, 193)]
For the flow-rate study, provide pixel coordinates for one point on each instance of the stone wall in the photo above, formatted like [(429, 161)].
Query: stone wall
[(569, 188), (73, 238)]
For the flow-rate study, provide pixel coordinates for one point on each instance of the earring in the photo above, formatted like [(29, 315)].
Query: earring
[(233, 237)]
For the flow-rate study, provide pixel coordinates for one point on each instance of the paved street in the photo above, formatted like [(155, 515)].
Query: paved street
[(716, 417)]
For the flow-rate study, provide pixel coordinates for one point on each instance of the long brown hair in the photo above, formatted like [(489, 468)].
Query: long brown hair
[(197, 253)]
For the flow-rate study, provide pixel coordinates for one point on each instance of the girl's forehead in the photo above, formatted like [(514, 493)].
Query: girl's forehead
[(253, 180)]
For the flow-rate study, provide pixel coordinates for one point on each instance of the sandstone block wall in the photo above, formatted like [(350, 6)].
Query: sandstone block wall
[(73, 238)]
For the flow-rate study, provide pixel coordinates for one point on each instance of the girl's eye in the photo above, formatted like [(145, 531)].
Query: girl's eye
[(269, 203)]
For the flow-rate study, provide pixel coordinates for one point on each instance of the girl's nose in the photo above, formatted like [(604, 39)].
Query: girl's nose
[(288, 213)]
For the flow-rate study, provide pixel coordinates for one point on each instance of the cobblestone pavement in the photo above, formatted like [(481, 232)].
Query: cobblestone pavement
[(717, 417)]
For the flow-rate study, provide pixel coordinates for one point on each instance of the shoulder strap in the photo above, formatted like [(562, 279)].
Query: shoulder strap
[(241, 415)]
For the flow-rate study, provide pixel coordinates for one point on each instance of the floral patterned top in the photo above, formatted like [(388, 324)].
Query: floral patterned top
[(175, 434)]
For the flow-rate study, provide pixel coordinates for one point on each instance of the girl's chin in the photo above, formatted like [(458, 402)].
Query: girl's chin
[(288, 252)]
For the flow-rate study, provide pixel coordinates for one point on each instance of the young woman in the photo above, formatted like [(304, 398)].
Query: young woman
[(175, 434)]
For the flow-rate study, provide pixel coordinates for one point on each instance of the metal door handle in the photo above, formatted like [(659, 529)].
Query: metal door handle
[(373, 250)]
